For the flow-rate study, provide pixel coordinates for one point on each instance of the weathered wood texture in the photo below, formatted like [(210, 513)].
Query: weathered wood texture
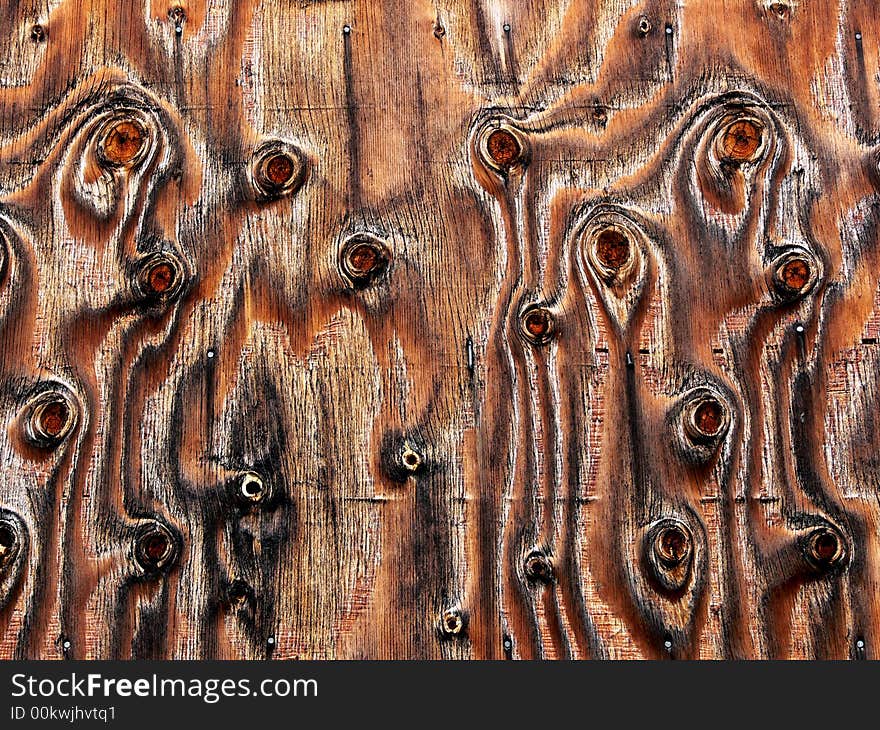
[(463, 328)]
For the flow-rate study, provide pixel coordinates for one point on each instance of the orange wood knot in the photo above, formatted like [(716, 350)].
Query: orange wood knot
[(154, 548), (251, 488), (612, 249), (124, 143), (160, 276), (794, 274), (538, 567), (504, 148), (363, 258), (8, 544), (706, 419), (278, 169), (439, 30), (538, 325), (672, 544), (52, 416), (452, 622), (38, 33), (741, 141), (825, 548)]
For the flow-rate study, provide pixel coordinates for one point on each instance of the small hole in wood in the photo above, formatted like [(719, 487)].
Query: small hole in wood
[(38, 33)]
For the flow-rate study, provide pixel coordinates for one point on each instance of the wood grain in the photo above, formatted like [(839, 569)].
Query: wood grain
[(450, 329)]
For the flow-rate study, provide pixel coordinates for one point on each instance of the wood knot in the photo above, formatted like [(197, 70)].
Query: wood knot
[(781, 10), (452, 622), (669, 553), (740, 141), (123, 142), (502, 147), (644, 26), (51, 416), (277, 169), (794, 274), (10, 543), (538, 325), (362, 259), (612, 249), (250, 488), (706, 419), (537, 567), (177, 15), (160, 276), (825, 549), (38, 33), (155, 547), (672, 544), (609, 245)]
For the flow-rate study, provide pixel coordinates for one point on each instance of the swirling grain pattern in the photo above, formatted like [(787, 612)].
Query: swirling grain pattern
[(449, 329)]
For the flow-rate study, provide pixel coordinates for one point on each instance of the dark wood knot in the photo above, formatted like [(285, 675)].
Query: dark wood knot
[(825, 549), (538, 567), (362, 259), (155, 547), (160, 276), (794, 274), (669, 553)]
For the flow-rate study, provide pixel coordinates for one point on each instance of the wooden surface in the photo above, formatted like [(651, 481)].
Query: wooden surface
[(450, 329)]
